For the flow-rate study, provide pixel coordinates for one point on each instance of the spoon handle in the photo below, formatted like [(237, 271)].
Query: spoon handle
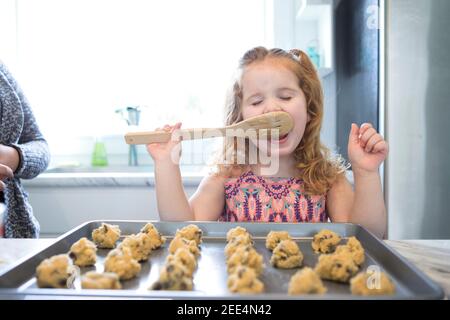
[(160, 136)]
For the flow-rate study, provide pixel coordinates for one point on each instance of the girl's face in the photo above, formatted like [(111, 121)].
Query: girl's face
[(269, 86)]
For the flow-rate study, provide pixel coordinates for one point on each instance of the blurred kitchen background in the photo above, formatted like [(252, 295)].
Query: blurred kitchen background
[(95, 69)]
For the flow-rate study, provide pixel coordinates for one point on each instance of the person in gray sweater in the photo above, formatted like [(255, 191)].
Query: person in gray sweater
[(24, 154)]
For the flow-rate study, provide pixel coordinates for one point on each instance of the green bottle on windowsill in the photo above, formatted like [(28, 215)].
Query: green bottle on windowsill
[(99, 156)]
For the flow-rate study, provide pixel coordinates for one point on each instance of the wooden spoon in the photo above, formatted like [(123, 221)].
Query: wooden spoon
[(273, 120)]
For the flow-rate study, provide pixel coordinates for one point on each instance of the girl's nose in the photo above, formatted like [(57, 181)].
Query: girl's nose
[(272, 106)]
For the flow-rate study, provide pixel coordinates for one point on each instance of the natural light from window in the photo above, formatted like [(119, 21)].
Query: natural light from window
[(80, 60)]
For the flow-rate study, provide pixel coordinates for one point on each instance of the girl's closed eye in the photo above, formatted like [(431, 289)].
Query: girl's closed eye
[(257, 102), (286, 98)]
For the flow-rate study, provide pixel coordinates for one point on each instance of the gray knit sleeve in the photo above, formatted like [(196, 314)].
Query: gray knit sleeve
[(32, 147)]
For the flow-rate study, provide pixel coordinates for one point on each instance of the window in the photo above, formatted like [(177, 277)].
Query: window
[(80, 60)]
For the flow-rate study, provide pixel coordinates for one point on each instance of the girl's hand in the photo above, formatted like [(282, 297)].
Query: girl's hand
[(162, 152), (366, 148), (5, 173)]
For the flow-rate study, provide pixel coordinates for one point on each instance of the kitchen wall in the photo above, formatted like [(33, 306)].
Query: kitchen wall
[(418, 118)]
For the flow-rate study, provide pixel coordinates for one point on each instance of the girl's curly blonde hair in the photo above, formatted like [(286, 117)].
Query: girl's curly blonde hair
[(317, 168)]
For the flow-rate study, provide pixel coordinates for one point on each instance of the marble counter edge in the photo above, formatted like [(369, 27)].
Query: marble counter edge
[(104, 179)]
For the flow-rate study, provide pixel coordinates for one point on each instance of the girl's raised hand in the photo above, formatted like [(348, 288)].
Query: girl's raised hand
[(366, 148), (166, 151)]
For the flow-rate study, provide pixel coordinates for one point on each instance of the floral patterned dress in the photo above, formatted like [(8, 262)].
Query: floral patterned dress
[(252, 198)]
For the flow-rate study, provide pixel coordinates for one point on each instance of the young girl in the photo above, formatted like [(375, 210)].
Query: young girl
[(309, 185)]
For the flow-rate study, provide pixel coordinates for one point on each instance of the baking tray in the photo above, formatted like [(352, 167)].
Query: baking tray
[(19, 282)]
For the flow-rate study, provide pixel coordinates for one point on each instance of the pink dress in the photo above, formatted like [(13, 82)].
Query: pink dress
[(252, 198)]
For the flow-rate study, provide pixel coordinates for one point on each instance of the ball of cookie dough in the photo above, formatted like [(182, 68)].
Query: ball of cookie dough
[(246, 256), (139, 244), (180, 242), (372, 283), (238, 231), (338, 267), (173, 276), (156, 239), (96, 280), (355, 248), (236, 242), (286, 255), (83, 253), (56, 272), (121, 261), (106, 236), (306, 281), (274, 238), (148, 227), (191, 232), (244, 280), (184, 256), (325, 241)]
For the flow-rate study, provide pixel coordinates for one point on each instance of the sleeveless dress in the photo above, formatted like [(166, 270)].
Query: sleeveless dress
[(252, 198)]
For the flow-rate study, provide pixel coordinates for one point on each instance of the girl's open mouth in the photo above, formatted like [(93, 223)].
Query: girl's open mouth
[(283, 138)]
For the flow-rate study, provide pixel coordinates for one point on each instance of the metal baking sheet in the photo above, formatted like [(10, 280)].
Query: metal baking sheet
[(19, 282)]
